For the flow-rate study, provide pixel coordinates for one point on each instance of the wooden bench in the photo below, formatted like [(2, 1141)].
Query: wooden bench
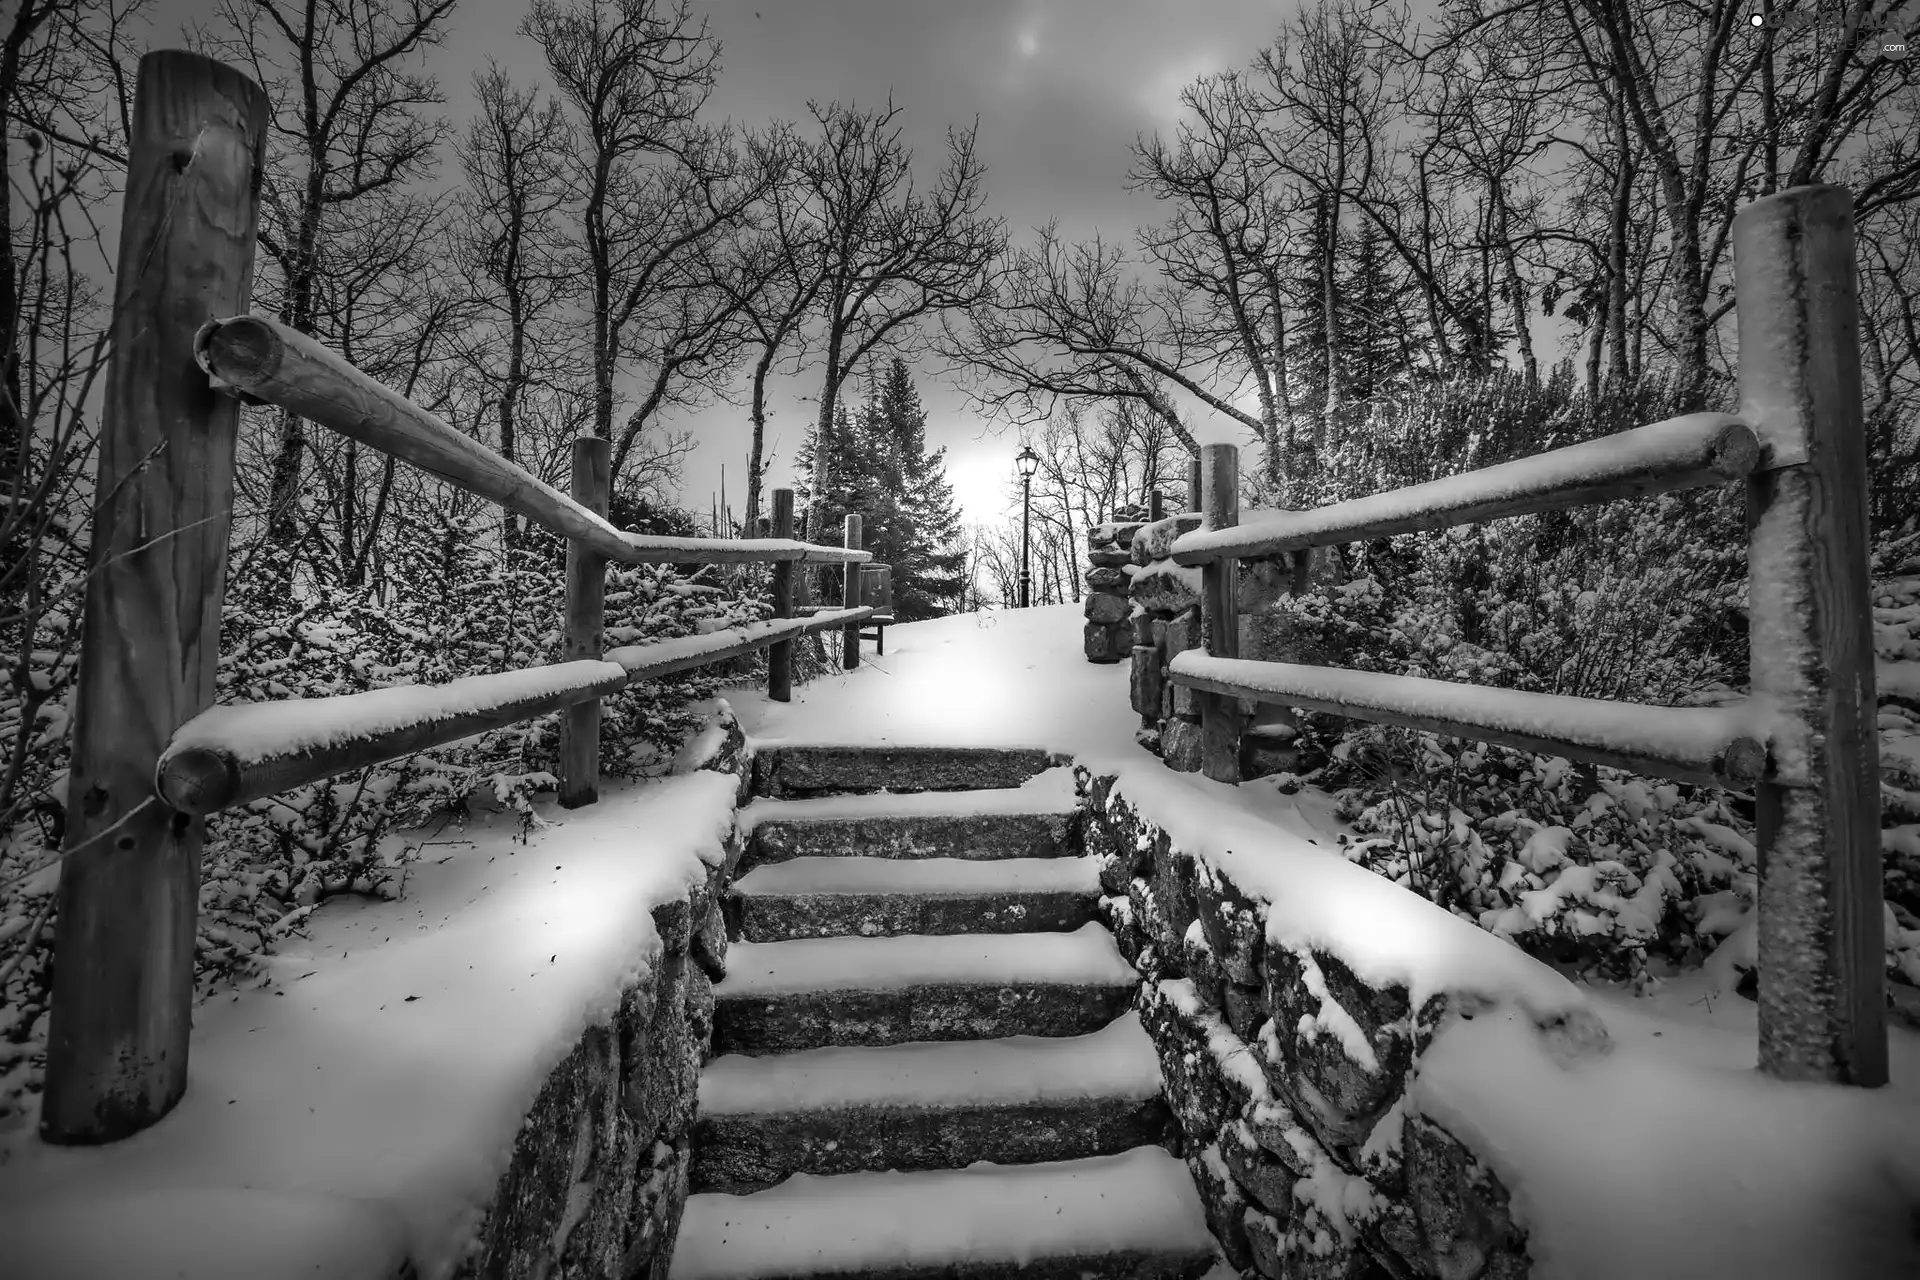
[(876, 591)]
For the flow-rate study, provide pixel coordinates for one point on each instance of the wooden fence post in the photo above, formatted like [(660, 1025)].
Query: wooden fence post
[(586, 625), (850, 596), (1220, 718), (1821, 961), (150, 648), (780, 652)]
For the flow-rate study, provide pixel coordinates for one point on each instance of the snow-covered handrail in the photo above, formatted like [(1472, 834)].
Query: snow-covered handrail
[(663, 657), (1695, 451), (265, 361), (1723, 746), (230, 755)]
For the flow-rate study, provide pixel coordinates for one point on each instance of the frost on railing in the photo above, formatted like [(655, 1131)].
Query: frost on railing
[(1724, 745), (1701, 449), (229, 755)]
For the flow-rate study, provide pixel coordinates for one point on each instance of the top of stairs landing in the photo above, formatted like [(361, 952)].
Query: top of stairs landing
[(790, 770)]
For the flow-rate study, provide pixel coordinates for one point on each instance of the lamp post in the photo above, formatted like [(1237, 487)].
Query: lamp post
[(1028, 462)]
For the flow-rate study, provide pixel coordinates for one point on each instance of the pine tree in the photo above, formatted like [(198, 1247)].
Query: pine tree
[(880, 470), (926, 547)]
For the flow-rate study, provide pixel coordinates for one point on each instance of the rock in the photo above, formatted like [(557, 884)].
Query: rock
[(658, 1091), (1158, 537), (1315, 1249), (1335, 1089), (663, 1196), (1104, 579), (1165, 587), (1266, 1181), (1225, 1207), (1266, 1242), (1182, 633), (1202, 969), (1466, 1225), (795, 770), (1233, 922), (1244, 1007), (573, 1198), (1142, 624), (1180, 743), (1173, 873), (1144, 687), (1105, 607), (674, 921), (1104, 642), (1110, 558)]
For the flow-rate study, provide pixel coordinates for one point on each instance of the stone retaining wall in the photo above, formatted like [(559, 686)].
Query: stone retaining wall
[(1108, 634), (1165, 620), (1289, 1077), (599, 1170)]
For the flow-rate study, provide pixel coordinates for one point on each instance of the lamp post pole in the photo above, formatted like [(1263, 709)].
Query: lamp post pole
[(1028, 462)]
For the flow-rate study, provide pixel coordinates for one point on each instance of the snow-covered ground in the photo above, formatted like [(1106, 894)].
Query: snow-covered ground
[(361, 1108), (1667, 1155)]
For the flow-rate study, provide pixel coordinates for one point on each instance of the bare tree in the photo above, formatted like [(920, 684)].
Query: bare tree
[(889, 254), (349, 122), (653, 187), (510, 243)]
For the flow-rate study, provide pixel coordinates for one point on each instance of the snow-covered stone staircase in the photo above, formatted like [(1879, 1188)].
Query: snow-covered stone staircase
[(925, 1060)]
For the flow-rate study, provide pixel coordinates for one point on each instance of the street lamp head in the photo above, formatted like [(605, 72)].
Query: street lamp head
[(1027, 461)]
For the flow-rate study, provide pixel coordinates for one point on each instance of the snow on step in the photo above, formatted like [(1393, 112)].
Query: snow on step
[(1141, 1200), (1116, 1061), (1048, 793), (1085, 957), (801, 877)]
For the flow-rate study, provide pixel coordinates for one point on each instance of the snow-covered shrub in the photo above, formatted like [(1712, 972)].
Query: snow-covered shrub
[(1598, 870), (449, 604)]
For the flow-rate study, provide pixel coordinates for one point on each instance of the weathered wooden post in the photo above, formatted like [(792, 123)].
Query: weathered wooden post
[(1821, 959), (1220, 718), (850, 596), (586, 625), (1194, 496), (780, 652), (1156, 506), (130, 879)]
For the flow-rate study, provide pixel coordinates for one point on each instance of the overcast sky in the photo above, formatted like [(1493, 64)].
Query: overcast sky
[(1060, 87)]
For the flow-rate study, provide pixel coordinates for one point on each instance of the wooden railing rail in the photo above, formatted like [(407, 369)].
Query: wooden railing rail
[(1697, 451), (233, 754), (264, 361), (152, 756), (1805, 739)]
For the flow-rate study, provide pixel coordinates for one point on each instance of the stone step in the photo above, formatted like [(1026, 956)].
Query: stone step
[(786, 769), (939, 1105), (1038, 820), (779, 997), (1132, 1216), (869, 897)]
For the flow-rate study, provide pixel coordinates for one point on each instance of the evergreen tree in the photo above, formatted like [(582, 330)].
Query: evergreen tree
[(880, 470)]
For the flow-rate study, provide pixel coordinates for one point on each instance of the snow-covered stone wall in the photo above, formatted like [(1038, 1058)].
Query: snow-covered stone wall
[(598, 1177), (1108, 635), (1164, 614), (1291, 1078)]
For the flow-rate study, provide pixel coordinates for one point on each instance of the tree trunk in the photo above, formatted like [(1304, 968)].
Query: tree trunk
[(823, 426), (1516, 289), (756, 448), (1327, 427)]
